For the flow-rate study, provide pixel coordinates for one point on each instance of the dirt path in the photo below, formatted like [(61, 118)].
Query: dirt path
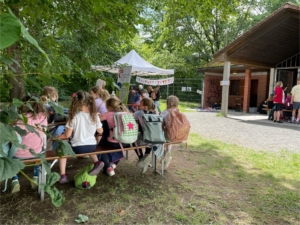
[(251, 131)]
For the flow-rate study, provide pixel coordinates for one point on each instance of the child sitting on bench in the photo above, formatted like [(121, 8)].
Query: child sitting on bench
[(82, 124)]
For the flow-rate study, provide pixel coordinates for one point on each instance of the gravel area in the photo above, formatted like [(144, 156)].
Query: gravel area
[(247, 130)]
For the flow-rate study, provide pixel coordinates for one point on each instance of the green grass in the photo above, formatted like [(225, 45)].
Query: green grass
[(210, 183)]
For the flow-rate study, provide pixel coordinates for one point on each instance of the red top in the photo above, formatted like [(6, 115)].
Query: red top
[(278, 95)]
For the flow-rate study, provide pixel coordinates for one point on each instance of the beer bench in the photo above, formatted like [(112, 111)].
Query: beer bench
[(51, 156)]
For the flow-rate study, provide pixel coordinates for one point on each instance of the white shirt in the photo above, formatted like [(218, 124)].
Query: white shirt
[(83, 129)]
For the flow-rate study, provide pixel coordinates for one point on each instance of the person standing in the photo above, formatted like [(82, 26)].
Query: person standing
[(296, 102), (156, 98), (278, 101)]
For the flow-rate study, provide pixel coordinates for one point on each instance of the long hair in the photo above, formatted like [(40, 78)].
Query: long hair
[(115, 103), (79, 100), (35, 108), (148, 102), (278, 83), (102, 93)]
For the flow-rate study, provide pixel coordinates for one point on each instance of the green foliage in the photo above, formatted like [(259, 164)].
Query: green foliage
[(10, 30), (81, 219), (9, 167)]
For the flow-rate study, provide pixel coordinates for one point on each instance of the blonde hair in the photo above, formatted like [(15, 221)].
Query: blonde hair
[(102, 93), (83, 98), (279, 83), (50, 91), (149, 88), (172, 101), (116, 104), (148, 102)]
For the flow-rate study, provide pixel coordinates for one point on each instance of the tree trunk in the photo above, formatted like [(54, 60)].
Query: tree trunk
[(16, 81)]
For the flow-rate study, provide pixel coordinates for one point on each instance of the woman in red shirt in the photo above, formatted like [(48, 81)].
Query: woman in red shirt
[(278, 101)]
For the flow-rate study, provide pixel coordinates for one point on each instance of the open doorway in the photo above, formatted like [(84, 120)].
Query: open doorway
[(253, 93)]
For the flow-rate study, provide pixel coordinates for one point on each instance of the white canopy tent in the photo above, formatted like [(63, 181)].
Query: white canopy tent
[(140, 66)]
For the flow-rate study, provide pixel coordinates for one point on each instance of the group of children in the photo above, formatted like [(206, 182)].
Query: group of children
[(89, 114)]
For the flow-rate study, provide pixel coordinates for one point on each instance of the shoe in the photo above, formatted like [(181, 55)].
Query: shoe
[(63, 179), (15, 186), (145, 168), (168, 161), (110, 171), (97, 168), (144, 161), (114, 166), (274, 121), (279, 121), (36, 184)]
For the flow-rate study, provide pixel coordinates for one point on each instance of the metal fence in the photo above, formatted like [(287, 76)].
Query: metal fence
[(184, 88)]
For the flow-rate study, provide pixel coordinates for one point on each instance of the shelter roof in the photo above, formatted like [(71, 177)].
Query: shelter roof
[(139, 66), (268, 43)]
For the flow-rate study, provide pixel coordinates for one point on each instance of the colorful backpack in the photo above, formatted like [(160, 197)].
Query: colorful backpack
[(178, 126), (83, 180), (152, 130), (126, 128)]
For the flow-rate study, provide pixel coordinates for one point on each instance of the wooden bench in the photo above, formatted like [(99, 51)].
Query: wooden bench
[(283, 110), (51, 155)]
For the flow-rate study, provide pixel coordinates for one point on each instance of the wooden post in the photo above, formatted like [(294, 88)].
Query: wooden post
[(225, 89)]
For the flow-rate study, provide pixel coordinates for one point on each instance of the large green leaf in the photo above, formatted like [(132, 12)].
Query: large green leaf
[(57, 108), (64, 148), (9, 167), (16, 102), (10, 30), (55, 195)]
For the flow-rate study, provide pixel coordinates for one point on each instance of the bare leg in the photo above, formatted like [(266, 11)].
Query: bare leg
[(62, 165), (94, 158)]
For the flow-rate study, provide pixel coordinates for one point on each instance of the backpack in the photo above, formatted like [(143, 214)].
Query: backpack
[(178, 127), (126, 128), (153, 95), (152, 130), (83, 180)]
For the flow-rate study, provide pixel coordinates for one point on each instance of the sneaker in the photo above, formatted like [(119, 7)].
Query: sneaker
[(97, 168), (144, 161), (145, 168), (15, 186), (274, 121), (63, 179), (110, 171), (279, 121), (114, 166), (36, 184)]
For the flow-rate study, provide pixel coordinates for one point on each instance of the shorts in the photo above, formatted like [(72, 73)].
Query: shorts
[(296, 105), (278, 107), (84, 149)]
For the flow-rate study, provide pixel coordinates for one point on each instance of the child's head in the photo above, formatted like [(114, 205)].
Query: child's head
[(114, 104), (94, 91), (79, 101), (104, 94), (147, 104), (36, 107), (279, 84), (149, 88), (51, 92), (172, 102)]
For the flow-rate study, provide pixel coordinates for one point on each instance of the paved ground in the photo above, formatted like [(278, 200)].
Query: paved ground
[(248, 130)]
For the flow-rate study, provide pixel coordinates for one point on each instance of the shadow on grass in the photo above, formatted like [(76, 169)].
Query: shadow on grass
[(211, 183)]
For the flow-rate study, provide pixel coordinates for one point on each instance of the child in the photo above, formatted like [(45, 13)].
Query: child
[(172, 104), (100, 95), (51, 92), (83, 122), (37, 118), (113, 104), (147, 106)]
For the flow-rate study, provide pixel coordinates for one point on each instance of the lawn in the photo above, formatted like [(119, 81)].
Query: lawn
[(210, 183)]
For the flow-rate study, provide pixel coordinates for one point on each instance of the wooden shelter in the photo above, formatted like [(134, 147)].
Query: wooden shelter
[(268, 52)]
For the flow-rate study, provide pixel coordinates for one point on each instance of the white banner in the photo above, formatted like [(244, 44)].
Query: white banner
[(124, 76), (160, 82)]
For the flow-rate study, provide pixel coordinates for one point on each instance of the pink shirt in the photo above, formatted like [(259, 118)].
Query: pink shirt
[(32, 140), (278, 95), (109, 117)]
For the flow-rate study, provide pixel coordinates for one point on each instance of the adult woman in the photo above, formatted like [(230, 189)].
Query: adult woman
[(278, 101)]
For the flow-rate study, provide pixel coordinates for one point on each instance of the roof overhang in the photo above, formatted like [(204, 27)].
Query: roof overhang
[(268, 43)]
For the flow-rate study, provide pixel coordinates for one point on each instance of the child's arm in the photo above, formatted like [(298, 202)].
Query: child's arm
[(67, 134)]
